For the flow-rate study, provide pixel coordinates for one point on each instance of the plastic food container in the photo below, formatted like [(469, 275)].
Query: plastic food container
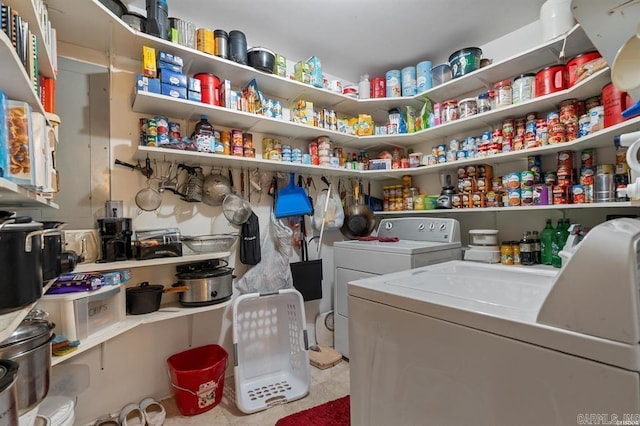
[(440, 74), (467, 107), (465, 61), (448, 111), (483, 237)]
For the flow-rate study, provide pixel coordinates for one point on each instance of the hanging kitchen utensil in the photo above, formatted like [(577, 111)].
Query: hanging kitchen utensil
[(146, 170), (359, 220), (292, 200), (307, 274), (215, 188), (192, 188), (236, 209), (169, 181), (148, 199)]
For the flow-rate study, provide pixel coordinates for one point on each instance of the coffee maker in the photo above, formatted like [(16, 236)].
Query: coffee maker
[(444, 200), (115, 234)]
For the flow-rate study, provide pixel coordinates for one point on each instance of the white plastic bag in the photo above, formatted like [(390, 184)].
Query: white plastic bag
[(272, 273), (334, 218)]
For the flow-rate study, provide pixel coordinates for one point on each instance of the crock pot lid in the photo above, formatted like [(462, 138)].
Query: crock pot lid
[(27, 330), (206, 273), (8, 373)]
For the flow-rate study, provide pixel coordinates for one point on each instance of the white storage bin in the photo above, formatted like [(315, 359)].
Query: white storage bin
[(79, 315)]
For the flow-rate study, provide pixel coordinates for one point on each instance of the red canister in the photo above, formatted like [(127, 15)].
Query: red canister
[(378, 87), (614, 102), (551, 79), (575, 64), (210, 88)]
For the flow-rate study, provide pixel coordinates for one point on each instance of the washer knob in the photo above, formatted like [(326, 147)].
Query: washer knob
[(443, 226), (388, 225), (421, 227), (432, 226)]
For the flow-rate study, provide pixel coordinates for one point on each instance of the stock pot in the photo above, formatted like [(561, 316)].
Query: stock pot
[(21, 242)]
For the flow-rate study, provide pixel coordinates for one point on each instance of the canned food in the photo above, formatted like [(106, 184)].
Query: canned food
[(520, 126), (508, 127), (556, 133), (550, 178), (542, 134), (527, 179), (561, 194), (565, 159), (584, 125), (592, 102), (553, 118), (513, 197), (511, 180), (526, 196), (587, 175), (568, 111), (247, 140), (571, 131), (596, 116)]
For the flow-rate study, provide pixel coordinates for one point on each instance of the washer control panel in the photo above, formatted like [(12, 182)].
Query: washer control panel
[(435, 229)]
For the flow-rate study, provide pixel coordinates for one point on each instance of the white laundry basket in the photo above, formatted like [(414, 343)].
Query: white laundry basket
[(270, 345)]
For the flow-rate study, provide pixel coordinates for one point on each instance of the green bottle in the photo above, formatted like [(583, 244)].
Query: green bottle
[(546, 243), (560, 236)]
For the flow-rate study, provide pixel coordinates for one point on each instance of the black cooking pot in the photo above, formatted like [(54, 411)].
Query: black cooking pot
[(203, 287), (55, 261), (144, 298), (261, 59), (20, 262)]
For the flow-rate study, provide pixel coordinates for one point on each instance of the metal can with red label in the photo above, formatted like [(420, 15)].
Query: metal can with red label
[(508, 127), (552, 118), (520, 126), (378, 87), (569, 111), (588, 158), (542, 133), (565, 159), (561, 194), (571, 131), (550, 178), (556, 133)]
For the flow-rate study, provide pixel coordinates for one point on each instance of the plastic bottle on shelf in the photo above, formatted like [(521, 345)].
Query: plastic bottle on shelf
[(364, 87), (203, 135), (536, 247), (526, 249), (546, 243), (560, 236)]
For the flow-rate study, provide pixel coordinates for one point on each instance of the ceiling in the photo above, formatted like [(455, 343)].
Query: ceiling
[(355, 37)]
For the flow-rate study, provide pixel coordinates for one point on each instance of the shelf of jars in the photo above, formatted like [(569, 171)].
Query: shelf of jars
[(156, 104), (607, 205), (600, 139), (234, 162), (28, 12), (88, 23), (12, 195), (530, 60)]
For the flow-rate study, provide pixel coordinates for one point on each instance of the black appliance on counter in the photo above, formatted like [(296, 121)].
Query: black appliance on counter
[(115, 239), (55, 260), (155, 243)]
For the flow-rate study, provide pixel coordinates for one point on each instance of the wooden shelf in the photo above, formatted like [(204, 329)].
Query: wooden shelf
[(166, 312), (622, 204), (10, 321), (129, 264), (12, 195)]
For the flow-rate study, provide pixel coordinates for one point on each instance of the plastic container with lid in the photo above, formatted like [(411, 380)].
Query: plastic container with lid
[(221, 43), (524, 87), (440, 74), (448, 111), (238, 47), (504, 93), (483, 103), (467, 107)]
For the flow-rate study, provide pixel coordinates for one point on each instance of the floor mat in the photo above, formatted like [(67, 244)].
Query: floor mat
[(332, 413)]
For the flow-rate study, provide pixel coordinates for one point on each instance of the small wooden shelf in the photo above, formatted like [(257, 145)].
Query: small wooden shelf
[(128, 264)]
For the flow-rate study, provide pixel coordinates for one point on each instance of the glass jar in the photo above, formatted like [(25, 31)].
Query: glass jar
[(448, 111), (504, 93), (515, 246), (523, 87), (467, 107), (483, 103)]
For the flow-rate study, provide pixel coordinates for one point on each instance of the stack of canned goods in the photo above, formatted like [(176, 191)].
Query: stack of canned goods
[(402, 197)]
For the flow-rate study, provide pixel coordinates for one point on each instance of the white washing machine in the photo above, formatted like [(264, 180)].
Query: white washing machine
[(421, 241), (470, 343)]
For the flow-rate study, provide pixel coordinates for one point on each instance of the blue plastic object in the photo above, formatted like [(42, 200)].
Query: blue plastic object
[(292, 200), (632, 110)]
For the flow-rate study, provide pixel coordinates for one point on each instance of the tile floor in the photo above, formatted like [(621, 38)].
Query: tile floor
[(326, 385)]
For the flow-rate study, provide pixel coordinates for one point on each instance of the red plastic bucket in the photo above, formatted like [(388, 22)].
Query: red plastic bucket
[(197, 376), (210, 88)]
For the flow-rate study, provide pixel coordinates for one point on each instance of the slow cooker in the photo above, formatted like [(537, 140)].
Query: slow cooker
[(206, 284)]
